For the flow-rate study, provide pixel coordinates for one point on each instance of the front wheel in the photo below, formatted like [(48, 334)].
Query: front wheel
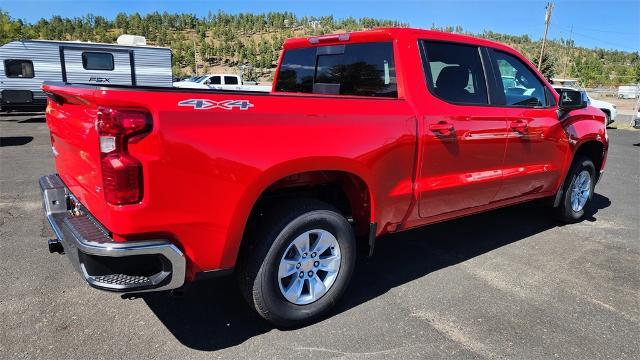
[(577, 190), (300, 264)]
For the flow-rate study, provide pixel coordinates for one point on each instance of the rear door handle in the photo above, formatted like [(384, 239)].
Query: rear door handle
[(520, 126), (442, 128)]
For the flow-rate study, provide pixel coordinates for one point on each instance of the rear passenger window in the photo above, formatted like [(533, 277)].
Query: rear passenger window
[(97, 61), (520, 85), (455, 73), (365, 69), (18, 68), (230, 80)]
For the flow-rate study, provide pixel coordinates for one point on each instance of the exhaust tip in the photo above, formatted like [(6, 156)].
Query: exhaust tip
[(55, 246)]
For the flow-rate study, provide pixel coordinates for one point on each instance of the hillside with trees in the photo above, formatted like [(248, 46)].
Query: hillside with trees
[(221, 41)]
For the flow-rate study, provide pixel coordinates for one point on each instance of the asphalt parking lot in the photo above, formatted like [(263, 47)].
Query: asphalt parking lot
[(510, 284)]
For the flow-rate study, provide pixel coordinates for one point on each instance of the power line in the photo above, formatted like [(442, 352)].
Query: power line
[(597, 39), (612, 32), (566, 60), (606, 41), (602, 31)]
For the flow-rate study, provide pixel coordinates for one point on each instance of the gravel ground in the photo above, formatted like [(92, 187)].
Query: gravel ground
[(508, 284)]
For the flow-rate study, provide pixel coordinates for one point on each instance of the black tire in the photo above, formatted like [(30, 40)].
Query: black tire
[(258, 266), (607, 118), (564, 212)]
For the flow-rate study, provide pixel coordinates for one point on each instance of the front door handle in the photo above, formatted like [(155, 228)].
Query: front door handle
[(442, 128), (520, 126)]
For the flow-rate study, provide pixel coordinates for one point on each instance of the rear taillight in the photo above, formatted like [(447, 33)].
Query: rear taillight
[(121, 172)]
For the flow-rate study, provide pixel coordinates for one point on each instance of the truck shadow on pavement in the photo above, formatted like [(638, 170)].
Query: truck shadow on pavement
[(212, 314), (7, 115), (15, 140), (35, 119)]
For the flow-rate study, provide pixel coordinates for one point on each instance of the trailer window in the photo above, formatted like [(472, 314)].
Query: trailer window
[(365, 69), (18, 69), (230, 80), (97, 61)]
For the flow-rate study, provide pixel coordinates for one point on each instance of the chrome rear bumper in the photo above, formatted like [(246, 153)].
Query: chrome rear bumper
[(132, 266)]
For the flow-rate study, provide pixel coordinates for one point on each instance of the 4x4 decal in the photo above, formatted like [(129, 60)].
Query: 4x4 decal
[(203, 104)]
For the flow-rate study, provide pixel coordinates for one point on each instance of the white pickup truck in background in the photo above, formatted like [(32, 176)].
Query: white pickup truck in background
[(220, 82), (610, 111)]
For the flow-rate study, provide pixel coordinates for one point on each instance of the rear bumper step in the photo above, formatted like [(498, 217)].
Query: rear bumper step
[(132, 266)]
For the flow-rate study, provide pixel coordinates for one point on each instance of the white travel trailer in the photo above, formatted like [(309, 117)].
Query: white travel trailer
[(628, 91), (26, 64)]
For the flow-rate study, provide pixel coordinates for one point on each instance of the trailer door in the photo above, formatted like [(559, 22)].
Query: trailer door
[(93, 65)]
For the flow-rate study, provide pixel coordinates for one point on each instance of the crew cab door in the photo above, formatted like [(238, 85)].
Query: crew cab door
[(463, 138), (535, 146)]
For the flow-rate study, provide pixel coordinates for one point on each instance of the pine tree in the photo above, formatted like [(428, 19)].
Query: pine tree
[(547, 67)]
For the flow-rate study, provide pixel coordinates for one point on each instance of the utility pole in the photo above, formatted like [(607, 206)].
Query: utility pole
[(242, 67), (636, 109), (566, 60), (547, 20), (195, 59)]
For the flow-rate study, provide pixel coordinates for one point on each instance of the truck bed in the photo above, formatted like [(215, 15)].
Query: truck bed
[(210, 154)]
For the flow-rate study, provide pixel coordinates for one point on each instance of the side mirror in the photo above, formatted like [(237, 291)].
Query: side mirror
[(572, 100)]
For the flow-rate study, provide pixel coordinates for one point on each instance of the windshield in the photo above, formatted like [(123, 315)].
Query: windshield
[(194, 78)]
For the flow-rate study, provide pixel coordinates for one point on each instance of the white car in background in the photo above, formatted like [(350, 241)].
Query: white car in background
[(607, 108), (220, 82)]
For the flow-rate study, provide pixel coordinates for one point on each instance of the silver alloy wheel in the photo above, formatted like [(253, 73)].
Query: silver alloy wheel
[(581, 190), (309, 267)]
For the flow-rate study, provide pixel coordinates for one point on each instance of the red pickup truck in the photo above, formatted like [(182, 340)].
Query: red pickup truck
[(364, 134)]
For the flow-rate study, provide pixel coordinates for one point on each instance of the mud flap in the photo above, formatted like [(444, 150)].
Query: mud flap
[(372, 237)]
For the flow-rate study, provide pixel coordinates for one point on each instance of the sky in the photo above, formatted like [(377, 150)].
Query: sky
[(605, 24)]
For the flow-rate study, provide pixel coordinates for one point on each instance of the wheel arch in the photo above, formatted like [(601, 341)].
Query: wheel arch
[(593, 149), (344, 178)]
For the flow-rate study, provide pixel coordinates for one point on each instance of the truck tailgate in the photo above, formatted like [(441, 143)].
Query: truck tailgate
[(71, 116)]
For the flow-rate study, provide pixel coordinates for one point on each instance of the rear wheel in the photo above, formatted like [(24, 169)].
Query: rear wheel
[(607, 118), (577, 190), (301, 262)]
